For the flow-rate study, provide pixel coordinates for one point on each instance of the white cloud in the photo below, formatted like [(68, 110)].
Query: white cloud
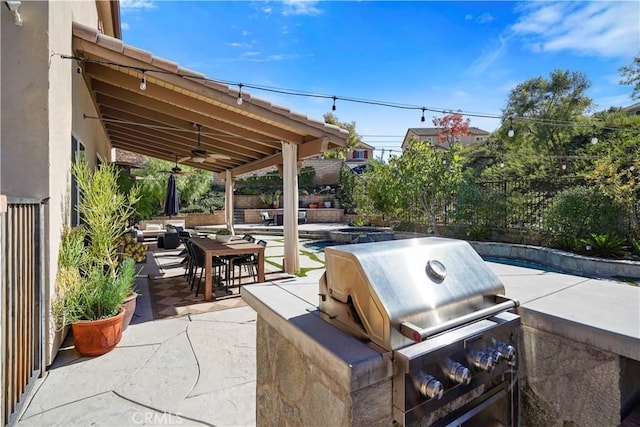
[(124, 26), (468, 17), (489, 57), (300, 7), (136, 4), (485, 18), (608, 29), (285, 30), (245, 33)]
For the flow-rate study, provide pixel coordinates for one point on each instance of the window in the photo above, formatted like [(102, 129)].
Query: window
[(77, 152), (427, 138), (479, 138), (360, 154)]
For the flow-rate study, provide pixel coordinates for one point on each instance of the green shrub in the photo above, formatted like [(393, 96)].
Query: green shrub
[(606, 245), (579, 212)]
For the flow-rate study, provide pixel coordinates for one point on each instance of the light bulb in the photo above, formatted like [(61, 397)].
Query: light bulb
[(564, 167), (632, 168), (143, 83), (511, 132), (422, 118), (239, 99), (333, 108), (501, 164), (594, 139)]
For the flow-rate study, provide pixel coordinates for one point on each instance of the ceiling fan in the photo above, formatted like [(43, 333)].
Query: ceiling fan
[(176, 170), (199, 155)]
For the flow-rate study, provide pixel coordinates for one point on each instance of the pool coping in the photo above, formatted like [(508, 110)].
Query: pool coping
[(565, 261)]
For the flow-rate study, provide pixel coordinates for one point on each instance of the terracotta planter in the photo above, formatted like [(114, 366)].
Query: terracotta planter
[(96, 337), (129, 305)]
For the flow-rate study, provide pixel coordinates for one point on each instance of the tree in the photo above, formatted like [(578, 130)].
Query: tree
[(153, 186), (630, 76), (542, 113), (354, 138), (425, 178), (451, 127)]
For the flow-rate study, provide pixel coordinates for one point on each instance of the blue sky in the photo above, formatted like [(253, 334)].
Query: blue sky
[(463, 55)]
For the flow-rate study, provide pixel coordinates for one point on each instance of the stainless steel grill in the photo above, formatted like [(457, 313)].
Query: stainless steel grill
[(441, 313)]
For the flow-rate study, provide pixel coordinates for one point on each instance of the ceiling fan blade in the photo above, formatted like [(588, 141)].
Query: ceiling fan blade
[(184, 159), (219, 156)]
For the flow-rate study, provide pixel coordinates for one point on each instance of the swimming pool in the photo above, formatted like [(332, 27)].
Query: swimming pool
[(522, 263)]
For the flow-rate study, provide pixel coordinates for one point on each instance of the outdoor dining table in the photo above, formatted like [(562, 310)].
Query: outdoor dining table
[(237, 246)]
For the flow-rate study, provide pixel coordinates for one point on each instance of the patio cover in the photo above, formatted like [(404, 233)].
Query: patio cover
[(159, 121)]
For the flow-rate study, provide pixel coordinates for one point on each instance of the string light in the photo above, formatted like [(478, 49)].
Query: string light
[(594, 138), (334, 98), (239, 99)]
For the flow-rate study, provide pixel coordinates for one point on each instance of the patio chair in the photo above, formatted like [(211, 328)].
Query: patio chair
[(217, 263), (249, 238), (266, 219), (249, 262)]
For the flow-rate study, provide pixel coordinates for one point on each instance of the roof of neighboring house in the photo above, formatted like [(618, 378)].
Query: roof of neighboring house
[(434, 131), (159, 120), (364, 145)]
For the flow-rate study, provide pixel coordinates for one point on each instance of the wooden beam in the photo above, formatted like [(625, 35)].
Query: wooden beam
[(190, 102), (313, 148), (109, 94)]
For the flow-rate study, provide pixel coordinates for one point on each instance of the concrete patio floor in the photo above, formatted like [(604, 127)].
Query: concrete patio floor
[(201, 369), (191, 370)]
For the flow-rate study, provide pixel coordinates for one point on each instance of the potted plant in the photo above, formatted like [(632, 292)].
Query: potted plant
[(223, 235), (327, 202), (93, 285)]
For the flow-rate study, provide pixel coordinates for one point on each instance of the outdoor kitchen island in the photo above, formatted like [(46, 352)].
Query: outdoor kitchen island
[(579, 357)]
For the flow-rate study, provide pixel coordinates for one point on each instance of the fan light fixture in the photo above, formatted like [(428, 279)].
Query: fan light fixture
[(197, 159)]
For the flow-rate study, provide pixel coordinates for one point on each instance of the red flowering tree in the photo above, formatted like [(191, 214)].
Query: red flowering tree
[(451, 127)]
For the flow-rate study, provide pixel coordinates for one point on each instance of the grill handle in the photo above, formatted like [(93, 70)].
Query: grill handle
[(418, 334)]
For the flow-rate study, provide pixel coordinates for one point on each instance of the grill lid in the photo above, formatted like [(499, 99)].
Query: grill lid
[(371, 289)]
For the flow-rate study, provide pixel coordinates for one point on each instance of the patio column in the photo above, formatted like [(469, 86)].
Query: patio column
[(228, 200), (290, 193)]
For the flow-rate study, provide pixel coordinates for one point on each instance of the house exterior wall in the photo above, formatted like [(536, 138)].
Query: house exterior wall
[(43, 100), (432, 137)]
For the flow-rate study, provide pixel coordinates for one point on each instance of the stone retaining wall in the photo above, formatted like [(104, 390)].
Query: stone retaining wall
[(252, 216), (565, 261)]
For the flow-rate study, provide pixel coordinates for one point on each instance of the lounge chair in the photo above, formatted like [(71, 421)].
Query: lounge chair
[(266, 219)]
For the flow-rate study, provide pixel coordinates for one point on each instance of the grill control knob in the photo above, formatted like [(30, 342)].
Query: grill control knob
[(458, 373), (507, 351), (429, 387), (483, 361)]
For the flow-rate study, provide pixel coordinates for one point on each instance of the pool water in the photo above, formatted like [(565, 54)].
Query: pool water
[(521, 263), (319, 246)]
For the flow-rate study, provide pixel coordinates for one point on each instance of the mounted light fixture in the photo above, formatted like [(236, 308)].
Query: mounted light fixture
[(13, 7), (511, 132)]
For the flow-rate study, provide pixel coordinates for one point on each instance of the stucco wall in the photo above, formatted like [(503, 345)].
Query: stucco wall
[(43, 100)]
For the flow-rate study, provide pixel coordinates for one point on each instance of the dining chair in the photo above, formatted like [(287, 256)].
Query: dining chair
[(217, 264), (249, 238), (249, 262)]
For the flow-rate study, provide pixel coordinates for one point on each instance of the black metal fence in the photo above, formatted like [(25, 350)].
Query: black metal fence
[(503, 205)]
